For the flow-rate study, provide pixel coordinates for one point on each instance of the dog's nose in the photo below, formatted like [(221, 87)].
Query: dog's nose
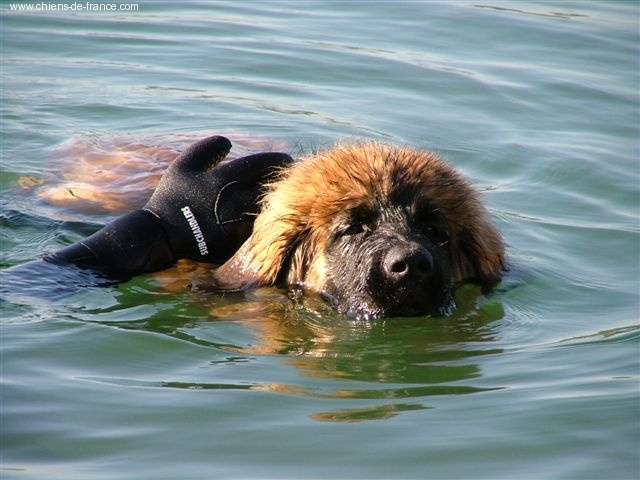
[(407, 262)]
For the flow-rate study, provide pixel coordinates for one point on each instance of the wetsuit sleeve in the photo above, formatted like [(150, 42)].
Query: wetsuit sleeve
[(200, 210), (134, 243)]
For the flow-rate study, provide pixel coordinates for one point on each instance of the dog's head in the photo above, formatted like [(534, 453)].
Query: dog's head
[(377, 230)]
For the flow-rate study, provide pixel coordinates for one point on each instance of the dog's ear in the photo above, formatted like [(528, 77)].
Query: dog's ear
[(479, 254), (260, 259)]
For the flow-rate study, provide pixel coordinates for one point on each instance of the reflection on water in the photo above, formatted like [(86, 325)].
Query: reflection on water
[(558, 14), (381, 412), (378, 362)]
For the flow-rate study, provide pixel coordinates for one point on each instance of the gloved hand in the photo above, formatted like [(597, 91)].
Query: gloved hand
[(200, 210)]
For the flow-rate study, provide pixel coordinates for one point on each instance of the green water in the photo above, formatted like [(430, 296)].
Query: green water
[(537, 102)]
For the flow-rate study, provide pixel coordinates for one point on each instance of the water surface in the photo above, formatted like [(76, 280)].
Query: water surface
[(537, 102)]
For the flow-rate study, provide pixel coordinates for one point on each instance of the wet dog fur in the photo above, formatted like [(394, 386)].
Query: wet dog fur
[(377, 230)]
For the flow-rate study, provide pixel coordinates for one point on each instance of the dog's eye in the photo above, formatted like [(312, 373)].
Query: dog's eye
[(354, 228), (356, 221), (437, 235), (430, 222), (351, 227)]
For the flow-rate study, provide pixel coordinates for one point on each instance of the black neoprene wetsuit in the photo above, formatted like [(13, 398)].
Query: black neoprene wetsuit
[(201, 210)]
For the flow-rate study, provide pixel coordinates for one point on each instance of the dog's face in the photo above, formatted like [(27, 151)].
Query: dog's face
[(376, 230), (389, 259)]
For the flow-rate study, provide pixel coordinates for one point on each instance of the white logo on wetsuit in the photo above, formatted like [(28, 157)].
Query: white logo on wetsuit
[(195, 228)]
